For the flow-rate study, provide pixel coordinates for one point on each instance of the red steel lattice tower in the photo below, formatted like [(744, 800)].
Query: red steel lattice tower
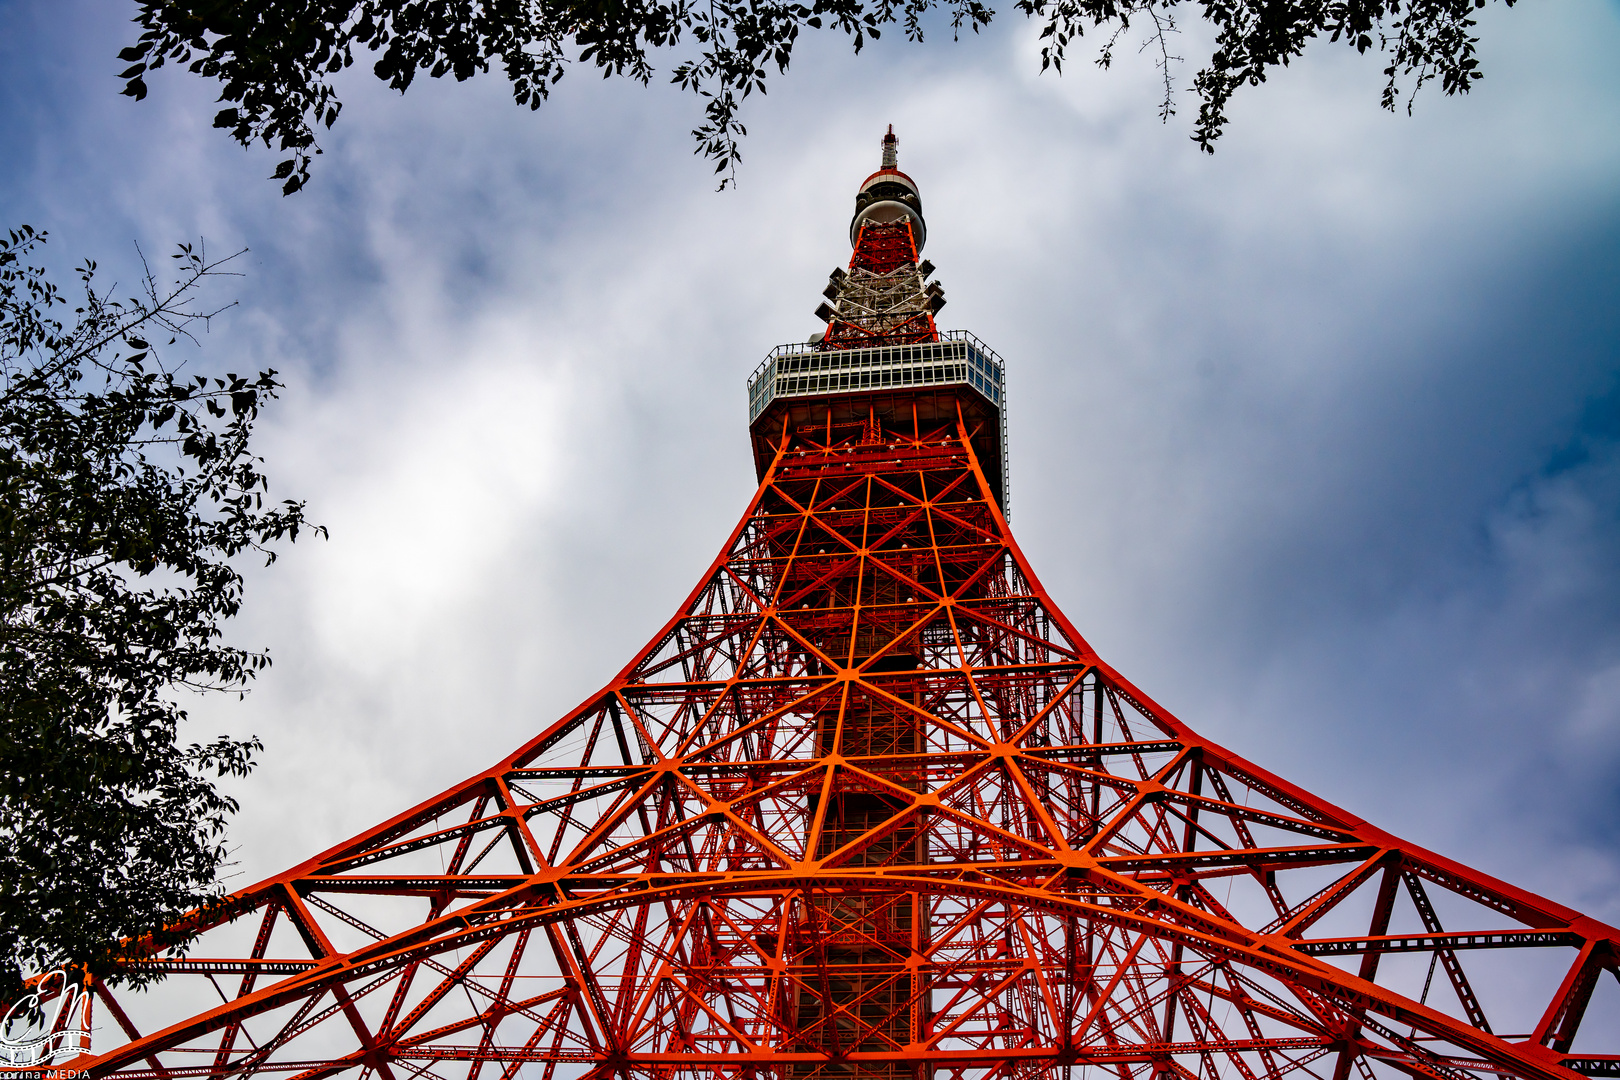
[(869, 806)]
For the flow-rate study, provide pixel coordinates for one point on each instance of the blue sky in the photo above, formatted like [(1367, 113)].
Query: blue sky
[(1317, 440)]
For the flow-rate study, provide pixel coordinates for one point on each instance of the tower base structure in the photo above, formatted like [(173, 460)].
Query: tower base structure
[(870, 806)]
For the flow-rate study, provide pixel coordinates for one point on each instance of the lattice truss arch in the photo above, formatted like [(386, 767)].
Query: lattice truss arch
[(870, 806)]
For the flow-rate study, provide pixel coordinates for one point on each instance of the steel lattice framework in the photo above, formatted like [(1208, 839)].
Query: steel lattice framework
[(870, 806), (882, 300)]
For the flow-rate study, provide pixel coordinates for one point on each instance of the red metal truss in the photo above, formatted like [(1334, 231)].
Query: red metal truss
[(869, 806), (884, 248), (883, 299)]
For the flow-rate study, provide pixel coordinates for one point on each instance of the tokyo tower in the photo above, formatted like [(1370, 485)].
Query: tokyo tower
[(868, 807)]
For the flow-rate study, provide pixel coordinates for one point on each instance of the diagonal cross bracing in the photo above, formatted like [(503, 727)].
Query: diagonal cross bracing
[(870, 808), (909, 823)]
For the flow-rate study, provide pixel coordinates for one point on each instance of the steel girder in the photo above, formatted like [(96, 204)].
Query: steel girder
[(869, 805), (884, 299)]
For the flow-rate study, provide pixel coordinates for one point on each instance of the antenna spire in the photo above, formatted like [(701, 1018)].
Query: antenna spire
[(890, 142)]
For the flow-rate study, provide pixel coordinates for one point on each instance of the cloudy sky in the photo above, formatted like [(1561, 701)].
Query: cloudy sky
[(1317, 440)]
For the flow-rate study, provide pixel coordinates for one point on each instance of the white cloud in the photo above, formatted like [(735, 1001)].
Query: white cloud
[(426, 489)]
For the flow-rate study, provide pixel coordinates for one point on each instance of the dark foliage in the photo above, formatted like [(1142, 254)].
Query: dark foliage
[(275, 59), (124, 493)]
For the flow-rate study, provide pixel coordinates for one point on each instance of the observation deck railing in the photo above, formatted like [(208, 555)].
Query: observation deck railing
[(958, 358), (801, 370)]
